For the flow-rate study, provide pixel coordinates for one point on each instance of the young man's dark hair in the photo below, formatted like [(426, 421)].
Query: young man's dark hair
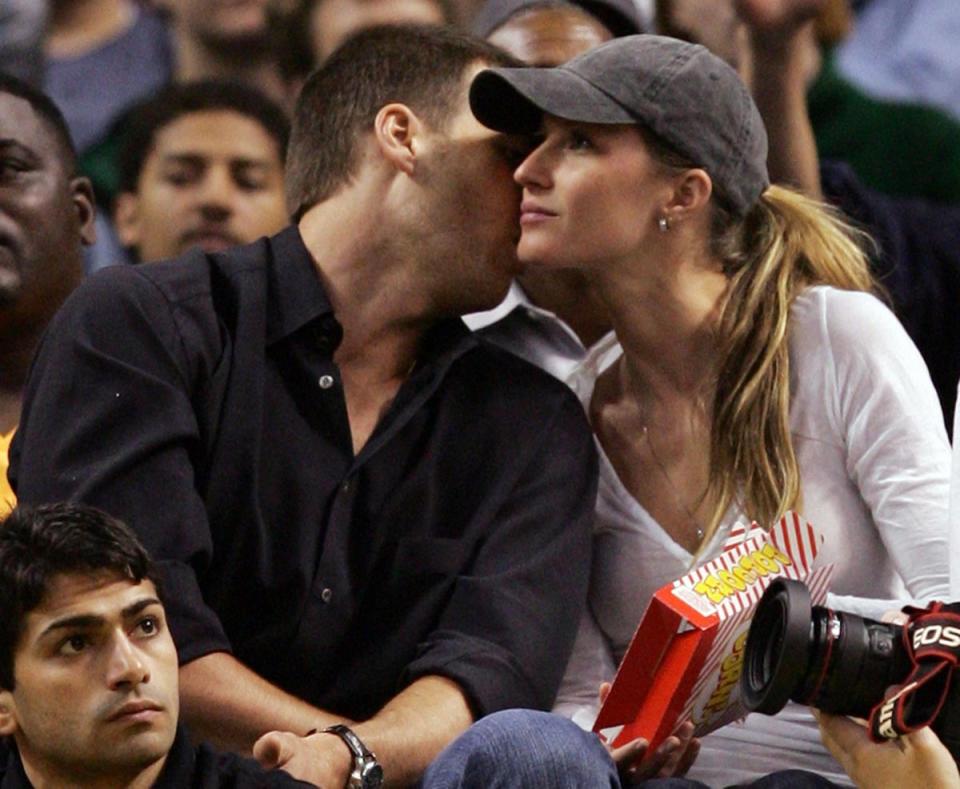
[(45, 108), (140, 125), (38, 543), (338, 103)]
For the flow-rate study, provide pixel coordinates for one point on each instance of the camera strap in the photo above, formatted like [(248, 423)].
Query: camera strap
[(932, 641)]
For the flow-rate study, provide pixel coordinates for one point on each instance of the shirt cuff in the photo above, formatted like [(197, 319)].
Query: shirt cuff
[(487, 673), (196, 629)]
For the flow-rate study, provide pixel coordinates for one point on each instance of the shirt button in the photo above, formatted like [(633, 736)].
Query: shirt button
[(326, 381), (326, 595)]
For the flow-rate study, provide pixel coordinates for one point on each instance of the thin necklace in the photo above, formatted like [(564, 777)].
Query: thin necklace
[(698, 529)]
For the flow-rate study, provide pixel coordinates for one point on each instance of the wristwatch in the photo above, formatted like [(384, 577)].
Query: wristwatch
[(367, 772)]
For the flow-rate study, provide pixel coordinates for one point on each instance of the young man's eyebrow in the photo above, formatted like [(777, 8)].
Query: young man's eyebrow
[(135, 608), (89, 621)]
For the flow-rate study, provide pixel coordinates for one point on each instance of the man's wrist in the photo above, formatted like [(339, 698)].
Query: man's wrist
[(364, 771)]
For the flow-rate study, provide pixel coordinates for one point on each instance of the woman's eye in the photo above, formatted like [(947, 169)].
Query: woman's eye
[(579, 142)]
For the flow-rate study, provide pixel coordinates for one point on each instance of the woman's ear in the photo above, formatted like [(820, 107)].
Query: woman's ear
[(691, 194), (396, 131)]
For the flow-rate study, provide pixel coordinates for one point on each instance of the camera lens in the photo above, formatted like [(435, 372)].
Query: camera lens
[(777, 645), (855, 661), (838, 662)]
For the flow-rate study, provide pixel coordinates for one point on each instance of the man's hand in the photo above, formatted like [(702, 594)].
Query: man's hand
[(917, 759), (674, 756), (321, 759)]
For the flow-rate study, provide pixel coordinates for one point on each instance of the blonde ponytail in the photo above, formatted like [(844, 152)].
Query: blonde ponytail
[(787, 243)]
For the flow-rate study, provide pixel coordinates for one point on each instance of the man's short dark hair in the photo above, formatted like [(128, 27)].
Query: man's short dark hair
[(39, 543), (139, 126), (49, 114), (417, 65)]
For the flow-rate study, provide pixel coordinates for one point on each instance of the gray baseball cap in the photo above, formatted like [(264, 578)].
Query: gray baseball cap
[(681, 92)]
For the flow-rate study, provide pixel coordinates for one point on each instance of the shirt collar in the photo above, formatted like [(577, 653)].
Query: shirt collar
[(515, 298), (179, 767), (296, 295), (177, 771)]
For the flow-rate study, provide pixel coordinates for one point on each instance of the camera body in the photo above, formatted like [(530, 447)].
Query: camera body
[(843, 663)]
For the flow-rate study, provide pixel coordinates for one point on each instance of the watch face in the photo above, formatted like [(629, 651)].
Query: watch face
[(371, 776)]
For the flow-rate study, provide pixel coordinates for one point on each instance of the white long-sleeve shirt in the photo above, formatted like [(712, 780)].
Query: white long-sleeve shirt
[(874, 464)]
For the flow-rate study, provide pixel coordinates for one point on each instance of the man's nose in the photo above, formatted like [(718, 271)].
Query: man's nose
[(217, 192), (126, 665)]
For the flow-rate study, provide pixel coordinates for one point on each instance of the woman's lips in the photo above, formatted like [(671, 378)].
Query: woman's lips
[(532, 213)]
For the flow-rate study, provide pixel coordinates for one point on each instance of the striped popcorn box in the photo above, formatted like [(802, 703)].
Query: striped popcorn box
[(684, 660)]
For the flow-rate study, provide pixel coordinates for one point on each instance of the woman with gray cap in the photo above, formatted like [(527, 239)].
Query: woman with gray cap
[(756, 375)]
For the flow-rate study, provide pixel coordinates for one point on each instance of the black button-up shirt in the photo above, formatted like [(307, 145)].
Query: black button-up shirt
[(198, 400), (186, 768)]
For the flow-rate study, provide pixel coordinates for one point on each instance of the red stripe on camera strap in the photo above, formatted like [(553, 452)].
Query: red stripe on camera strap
[(932, 640)]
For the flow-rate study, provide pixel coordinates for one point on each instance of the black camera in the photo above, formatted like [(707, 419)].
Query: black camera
[(843, 663)]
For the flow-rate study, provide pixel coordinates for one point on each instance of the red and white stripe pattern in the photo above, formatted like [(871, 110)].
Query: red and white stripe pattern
[(801, 543)]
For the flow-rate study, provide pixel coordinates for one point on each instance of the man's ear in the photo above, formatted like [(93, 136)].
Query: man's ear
[(8, 720), (691, 194), (83, 202), (396, 130), (126, 219)]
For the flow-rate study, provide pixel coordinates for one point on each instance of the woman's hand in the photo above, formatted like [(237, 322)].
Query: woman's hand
[(916, 759), (674, 756)]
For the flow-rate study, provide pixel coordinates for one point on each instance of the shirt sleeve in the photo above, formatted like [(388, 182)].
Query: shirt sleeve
[(108, 420), (509, 627), (897, 453), (590, 664)]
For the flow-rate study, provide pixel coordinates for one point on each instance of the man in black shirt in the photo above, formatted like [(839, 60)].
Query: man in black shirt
[(88, 671), (361, 512)]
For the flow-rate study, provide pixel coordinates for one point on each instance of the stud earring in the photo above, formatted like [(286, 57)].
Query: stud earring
[(663, 224)]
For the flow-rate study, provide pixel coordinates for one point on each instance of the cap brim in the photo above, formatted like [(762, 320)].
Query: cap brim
[(514, 100)]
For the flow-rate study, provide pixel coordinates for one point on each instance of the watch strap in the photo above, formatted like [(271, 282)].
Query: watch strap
[(363, 757)]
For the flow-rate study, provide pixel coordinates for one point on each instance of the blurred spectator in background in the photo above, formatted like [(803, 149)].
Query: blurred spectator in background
[(201, 165), (888, 99), (235, 41), (314, 28), (331, 22), (46, 216), (22, 26), (102, 57)]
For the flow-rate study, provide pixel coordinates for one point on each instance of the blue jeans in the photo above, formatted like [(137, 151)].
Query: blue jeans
[(526, 749)]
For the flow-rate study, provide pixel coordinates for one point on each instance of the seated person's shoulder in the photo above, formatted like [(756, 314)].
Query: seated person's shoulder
[(495, 361), (845, 319), (505, 379)]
